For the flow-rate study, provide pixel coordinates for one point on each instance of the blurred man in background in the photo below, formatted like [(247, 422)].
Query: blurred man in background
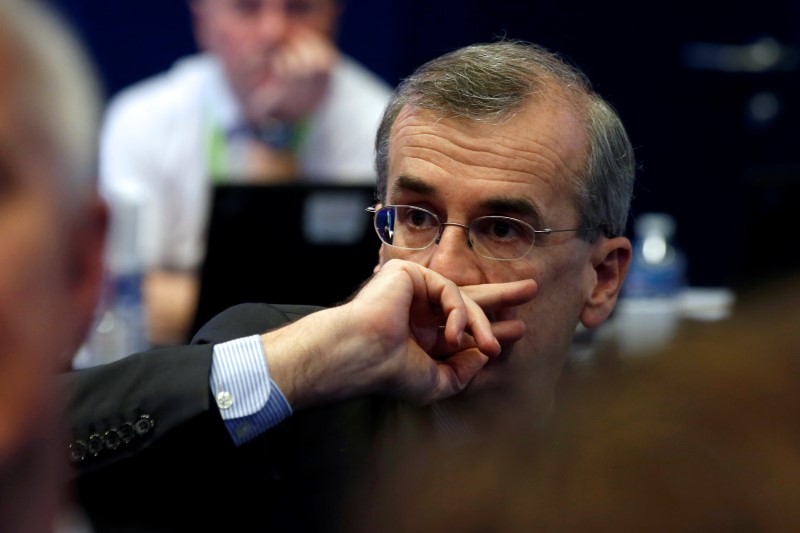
[(271, 99)]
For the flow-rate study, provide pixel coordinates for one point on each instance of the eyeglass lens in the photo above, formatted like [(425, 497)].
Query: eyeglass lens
[(495, 237)]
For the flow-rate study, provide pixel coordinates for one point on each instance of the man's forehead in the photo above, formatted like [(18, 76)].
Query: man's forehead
[(9, 60), (25, 143), (564, 117), (534, 157), (542, 132)]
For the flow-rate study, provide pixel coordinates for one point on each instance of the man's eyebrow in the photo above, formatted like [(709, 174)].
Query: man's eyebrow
[(512, 206), (411, 184), (515, 206)]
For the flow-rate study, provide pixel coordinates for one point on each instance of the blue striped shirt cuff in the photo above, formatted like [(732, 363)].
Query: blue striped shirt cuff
[(248, 400)]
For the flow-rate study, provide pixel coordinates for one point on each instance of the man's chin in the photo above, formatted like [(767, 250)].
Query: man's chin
[(500, 378), (486, 381)]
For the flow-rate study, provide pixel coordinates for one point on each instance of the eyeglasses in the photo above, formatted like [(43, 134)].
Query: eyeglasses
[(493, 237)]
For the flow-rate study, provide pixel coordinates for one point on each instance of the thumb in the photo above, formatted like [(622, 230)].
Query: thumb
[(456, 372)]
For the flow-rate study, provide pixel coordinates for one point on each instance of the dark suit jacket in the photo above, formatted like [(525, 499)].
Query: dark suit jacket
[(151, 452)]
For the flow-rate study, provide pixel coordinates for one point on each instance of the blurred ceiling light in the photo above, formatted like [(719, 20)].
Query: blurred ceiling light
[(765, 54)]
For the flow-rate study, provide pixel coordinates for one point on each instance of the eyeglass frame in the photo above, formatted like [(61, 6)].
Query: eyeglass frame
[(547, 231)]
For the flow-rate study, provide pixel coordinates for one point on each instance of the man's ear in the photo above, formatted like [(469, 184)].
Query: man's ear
[(611, 259), (86, 265)]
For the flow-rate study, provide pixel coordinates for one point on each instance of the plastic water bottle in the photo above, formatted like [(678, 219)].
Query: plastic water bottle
[(649, 310), (658, 268), (119, 328)]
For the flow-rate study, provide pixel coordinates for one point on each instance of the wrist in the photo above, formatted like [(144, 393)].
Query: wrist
[(275, 133), (317, 359)]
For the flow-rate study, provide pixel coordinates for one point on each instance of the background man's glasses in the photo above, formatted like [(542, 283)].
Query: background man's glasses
[(493, 237)]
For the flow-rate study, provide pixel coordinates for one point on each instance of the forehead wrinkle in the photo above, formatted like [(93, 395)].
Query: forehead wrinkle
[(427, 157), (438, 156), (526, 157), (531, 157), (544, 156), (436, 141)]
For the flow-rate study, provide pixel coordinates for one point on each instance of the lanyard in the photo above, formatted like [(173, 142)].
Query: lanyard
[(217, 162)]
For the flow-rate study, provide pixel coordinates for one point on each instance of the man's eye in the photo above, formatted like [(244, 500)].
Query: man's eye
[(247, 7), (300, 7), (418, 218), (502, 229)]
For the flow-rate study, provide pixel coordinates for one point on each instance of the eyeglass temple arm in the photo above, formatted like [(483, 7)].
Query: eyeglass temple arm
[(602, 227)]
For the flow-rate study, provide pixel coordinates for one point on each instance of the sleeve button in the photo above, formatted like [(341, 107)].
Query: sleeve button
[(126, 432), (144, 425), (111, 439), (94, 445), (77, 451), (224, 400)]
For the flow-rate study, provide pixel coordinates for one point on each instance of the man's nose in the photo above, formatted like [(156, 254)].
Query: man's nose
[(453, 258), (273, 23)]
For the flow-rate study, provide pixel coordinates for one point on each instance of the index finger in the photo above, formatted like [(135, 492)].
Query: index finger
[(494, 296)]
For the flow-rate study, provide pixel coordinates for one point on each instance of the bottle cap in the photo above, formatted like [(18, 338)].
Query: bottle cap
[(658, 223)]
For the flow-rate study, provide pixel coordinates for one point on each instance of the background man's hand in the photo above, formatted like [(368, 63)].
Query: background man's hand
[(299, 75)]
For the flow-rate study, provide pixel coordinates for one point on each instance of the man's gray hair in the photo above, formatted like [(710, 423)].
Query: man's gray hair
[(489, 83), (59, 89)]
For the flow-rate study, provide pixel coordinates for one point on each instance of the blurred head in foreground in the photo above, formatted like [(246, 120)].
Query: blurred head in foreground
[(52, 227), (702, 437)]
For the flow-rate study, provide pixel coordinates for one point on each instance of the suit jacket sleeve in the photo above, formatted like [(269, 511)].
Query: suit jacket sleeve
[(118, 410)]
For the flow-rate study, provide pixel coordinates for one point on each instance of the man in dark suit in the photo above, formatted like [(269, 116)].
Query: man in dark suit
[(504, 183), (148, 428)]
